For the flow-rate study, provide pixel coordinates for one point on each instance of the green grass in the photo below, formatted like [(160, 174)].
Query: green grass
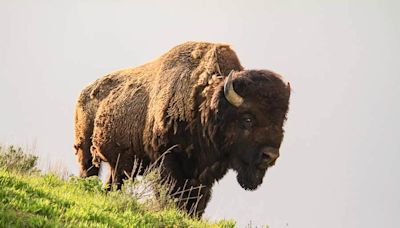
[(31, 199), (48, 201)]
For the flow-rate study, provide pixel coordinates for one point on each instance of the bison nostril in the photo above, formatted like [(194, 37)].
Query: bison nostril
[(265, 157), (270, 155), (268, 158)]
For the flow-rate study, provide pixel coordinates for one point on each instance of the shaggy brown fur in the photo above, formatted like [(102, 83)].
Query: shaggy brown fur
[(177, 102)]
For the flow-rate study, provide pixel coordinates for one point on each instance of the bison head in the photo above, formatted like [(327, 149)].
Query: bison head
[(255, 106)]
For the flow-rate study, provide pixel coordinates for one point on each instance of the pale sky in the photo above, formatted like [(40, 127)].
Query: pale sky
[(339, 164)]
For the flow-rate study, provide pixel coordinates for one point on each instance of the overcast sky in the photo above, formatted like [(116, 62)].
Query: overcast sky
[(340, 159)]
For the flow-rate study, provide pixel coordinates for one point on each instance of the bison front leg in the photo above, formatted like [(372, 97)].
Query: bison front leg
[(191, 197), (197, 191), (190, 193), (194, 199)]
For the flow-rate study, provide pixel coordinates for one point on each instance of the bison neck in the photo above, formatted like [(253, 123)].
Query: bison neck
[(201, 160)]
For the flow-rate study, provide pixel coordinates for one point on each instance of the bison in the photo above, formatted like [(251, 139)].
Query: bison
[(196, 102)]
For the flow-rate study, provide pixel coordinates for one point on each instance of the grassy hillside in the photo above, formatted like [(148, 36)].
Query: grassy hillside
[(30, 199)]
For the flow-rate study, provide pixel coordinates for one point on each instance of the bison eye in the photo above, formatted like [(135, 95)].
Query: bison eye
[(247, 122)]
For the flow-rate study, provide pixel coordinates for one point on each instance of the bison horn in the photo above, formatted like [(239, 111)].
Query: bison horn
[(230, 94)]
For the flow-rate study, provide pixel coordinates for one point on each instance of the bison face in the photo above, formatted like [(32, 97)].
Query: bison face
[(255, 123), (255, 149)]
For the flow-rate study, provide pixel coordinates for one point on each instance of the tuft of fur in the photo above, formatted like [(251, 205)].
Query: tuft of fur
[(174, 109), (143, 112)]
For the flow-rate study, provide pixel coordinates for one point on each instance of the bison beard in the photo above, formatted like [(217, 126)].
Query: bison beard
[(184, 102), (250, 178)]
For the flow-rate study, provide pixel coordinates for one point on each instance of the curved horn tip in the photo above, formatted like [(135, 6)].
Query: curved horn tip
[(230, 94)]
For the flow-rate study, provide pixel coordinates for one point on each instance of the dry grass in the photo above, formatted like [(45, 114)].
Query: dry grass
[(14, 158), (158, 192)]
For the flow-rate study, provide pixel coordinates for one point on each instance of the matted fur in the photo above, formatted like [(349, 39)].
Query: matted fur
[(176, 104), (129, 112)]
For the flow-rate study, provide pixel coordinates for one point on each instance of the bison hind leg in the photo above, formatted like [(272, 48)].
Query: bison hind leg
[(85, 159), (127, 169)]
